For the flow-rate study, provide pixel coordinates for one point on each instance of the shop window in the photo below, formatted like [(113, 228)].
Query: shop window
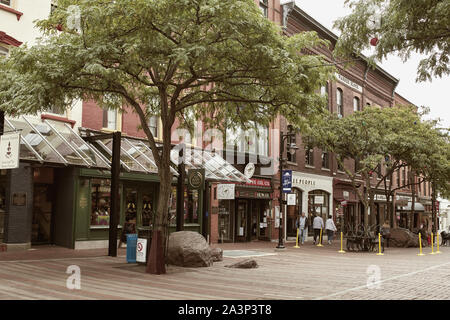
[(340, 103), (6, 2), (191, 206), (224, 226), (101, 202), (264, 6), (318, 204)]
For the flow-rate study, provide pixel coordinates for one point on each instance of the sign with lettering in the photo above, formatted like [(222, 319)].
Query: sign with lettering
[(287, 181), (196, 179), (9, 151), (348, 82), (225, 191), (291, 199), (141, 250)]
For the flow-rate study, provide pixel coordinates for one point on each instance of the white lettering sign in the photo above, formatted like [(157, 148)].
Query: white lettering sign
[(348, 82), (225, 191), (9, 151)]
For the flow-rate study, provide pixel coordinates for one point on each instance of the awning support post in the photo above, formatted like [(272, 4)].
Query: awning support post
[(115, 197)]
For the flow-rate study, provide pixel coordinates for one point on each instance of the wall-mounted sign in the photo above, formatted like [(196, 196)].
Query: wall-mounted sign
[(196, 179), (291, 199), (348, 82), (346, 194), (9, 151), (225, 191), (19, 199), (249, 170), (287, 180)]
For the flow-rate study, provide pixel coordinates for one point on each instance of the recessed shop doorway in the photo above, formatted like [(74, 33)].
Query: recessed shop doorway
[(42, 228)]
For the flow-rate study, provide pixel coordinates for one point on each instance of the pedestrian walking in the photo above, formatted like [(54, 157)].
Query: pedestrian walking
[(317, 226), (302, 225), (330, 227)]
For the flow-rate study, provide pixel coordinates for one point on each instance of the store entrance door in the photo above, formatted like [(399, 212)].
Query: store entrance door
[(241, 221), (42, 225)]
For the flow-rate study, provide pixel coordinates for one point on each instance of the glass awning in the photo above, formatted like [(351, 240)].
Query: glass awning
[(216, 168), (50, 141)]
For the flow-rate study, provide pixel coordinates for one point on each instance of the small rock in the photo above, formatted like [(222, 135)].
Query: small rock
[(216, 254), (245, 264)]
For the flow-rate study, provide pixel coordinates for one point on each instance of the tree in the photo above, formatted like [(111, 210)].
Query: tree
[(213, 60), (375, 137), (401, 26)]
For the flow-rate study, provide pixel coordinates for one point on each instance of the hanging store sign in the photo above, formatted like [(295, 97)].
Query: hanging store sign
[(249, 170), (196, 179), (9, 151), (225, 191)]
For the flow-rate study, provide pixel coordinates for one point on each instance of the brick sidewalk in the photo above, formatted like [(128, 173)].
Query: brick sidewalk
[(309, 272)]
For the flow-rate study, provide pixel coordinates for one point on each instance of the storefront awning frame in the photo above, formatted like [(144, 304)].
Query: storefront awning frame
[(25, 142)]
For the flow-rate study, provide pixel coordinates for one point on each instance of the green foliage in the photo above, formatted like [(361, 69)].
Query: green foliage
[(402, 26), (221, 61)]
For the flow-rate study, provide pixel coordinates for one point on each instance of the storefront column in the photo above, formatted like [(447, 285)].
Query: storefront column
[(19, 208)]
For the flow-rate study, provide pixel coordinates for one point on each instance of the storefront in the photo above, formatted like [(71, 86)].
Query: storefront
[(380, 206), (345, 205), (247, 215), (315, 192)]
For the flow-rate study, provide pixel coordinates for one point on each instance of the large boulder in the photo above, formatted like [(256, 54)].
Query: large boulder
[(403, 238), (188, 249)]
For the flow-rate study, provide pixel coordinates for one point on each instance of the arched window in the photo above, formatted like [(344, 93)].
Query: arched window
[(356, 104), (340, 103)]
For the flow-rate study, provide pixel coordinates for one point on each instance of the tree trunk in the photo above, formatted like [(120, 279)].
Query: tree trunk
[(413, 202), (156, 260)]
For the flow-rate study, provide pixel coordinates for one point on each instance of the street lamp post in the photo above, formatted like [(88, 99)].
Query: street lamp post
[(291, 148)]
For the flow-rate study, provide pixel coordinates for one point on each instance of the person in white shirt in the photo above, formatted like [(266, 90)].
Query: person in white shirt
[(317, 226), (330, 227), (302, 225)]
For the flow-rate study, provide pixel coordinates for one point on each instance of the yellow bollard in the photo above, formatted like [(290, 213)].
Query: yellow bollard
[(296, 242), (437, 235), (341, 251), (420, 245), (379, 246), (320, 240), (432, 244)]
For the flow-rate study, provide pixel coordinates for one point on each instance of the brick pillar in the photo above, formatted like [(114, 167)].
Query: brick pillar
[(19, 215)]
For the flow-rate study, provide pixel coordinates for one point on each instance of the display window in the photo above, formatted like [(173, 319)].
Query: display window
[(225, 212), (101, 202)]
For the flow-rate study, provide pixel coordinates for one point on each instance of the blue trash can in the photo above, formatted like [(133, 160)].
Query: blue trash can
[(131, 248)]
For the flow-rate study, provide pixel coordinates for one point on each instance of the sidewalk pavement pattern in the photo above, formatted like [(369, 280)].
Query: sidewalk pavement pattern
[(309, 272)]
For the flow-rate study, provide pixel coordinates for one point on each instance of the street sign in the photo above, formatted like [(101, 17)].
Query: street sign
[(9, 151), (141, 250), (287, 181)]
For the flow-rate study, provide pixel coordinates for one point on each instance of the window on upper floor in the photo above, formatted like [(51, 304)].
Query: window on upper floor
[(56, 110), (110, 119), (6, 2), (291, 157), (340, 103), (378, 170), (325, 159), (254, 141), (264, 7), (3, 51), (309, 153), (153, 124), (324, 91), (339, 166), (356, 104)]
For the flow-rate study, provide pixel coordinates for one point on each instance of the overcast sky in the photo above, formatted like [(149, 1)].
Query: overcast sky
[(432, 94)]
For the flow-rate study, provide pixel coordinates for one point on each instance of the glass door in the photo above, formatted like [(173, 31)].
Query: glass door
[(225, 209), (255, 220), (241, 221), (42, 214)]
